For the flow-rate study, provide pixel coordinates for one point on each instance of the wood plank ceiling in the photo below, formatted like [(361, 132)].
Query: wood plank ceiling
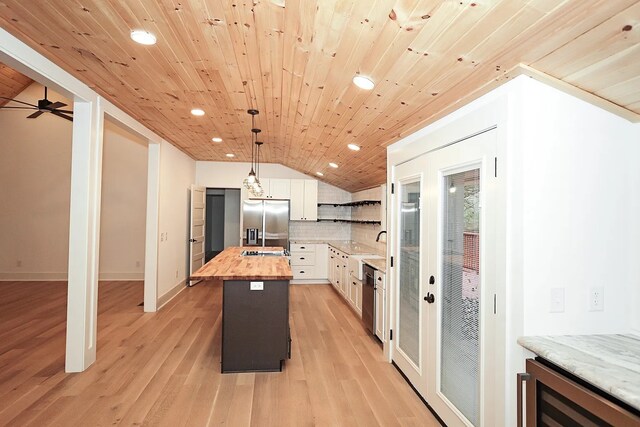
[(295, 64), (11, 83)]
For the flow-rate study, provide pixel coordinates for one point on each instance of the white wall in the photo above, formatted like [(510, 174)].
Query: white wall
[(580, 203), (35, 188), (177, 173), (231, 174), (35, 164), (123, 205)]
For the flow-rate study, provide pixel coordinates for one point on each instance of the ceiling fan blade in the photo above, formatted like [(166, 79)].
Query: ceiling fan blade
[(64, 111), (35, 115), (64, 116), (56, 105), (20, 102), (19, 108)]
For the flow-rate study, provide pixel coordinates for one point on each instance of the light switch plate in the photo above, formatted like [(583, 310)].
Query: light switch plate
[(557, 300), (256, 286)]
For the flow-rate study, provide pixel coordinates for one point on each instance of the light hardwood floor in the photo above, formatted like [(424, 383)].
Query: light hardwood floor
[(164, 368)]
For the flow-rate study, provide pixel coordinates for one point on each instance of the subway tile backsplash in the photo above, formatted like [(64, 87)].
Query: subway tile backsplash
[(363, 233)]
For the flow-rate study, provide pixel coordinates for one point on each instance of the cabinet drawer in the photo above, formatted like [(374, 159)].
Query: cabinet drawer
[(302, 247), (303, 258), (303, 272)]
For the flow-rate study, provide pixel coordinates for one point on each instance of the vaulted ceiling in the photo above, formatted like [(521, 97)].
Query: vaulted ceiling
[(295, 64)]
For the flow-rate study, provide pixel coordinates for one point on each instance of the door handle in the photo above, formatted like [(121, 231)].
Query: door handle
[(432, 280), (430, 298), (521, 377), (192, 240)]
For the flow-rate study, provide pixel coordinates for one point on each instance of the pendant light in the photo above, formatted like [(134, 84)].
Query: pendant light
[(257, 189), (251, 178)]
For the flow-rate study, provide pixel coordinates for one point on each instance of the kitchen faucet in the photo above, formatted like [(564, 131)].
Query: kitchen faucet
[(379, 234)]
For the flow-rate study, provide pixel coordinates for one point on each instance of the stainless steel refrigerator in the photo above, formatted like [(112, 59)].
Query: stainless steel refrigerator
[(265, 223)]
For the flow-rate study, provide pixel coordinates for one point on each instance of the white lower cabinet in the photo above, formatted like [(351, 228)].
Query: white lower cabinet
[(355, 294), (341, 279), (381, 304), (309, 261)]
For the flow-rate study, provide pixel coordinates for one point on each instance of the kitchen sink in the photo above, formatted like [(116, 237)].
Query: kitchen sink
[(264, 253), (356, 263)]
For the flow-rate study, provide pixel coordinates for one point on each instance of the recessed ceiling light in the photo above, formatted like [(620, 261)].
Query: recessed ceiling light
[(197, 112), (143, 37), (353, 147), (333, 165), (363, 82), (319, 174), (216, 139), (279, 3), (229, 155)]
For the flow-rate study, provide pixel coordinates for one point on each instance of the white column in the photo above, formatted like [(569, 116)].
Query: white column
[(151, 247), (84, 234)]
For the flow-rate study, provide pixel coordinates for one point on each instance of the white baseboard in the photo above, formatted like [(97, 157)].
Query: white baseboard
[(50, 277), (121, 276), (171, 294), (32, 277)]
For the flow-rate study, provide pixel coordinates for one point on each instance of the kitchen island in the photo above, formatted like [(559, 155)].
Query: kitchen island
[(255, 307)]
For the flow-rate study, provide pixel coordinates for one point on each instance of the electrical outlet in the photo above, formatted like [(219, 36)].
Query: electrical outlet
[(176, 273), (162, 237), (556, 305), (137, 263), (596, 299), (19, 263)]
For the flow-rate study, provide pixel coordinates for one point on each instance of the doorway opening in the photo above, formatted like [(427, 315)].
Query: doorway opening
[(222, 223), (35, 189), (123, 212)]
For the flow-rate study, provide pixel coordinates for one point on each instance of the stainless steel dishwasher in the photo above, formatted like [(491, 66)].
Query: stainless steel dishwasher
[(368, 298)]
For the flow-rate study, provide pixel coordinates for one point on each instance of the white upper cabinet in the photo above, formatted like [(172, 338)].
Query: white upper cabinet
[(274, 188), (310, 199), (304, 200), (296, 212), (279, 188)]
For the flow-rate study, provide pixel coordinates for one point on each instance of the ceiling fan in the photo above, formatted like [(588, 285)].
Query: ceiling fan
[(44, 106)]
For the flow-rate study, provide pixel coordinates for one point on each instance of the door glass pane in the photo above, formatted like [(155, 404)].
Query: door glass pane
[(460, 356), (408, 317)]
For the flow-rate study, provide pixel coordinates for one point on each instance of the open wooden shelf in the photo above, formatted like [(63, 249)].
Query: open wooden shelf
[(351, 204), (352, 221)]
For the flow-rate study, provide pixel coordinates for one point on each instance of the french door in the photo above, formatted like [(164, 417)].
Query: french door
[(409, 333), (461, 285), (453, 302)]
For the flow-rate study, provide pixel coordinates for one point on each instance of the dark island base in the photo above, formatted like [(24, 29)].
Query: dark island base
[(255, 326)]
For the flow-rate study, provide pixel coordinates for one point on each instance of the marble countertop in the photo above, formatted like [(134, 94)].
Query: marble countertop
[(349, 247), (378, 264), (609, 362)]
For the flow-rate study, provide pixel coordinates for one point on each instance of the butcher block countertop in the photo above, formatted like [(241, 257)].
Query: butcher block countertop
[(230, 265)]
